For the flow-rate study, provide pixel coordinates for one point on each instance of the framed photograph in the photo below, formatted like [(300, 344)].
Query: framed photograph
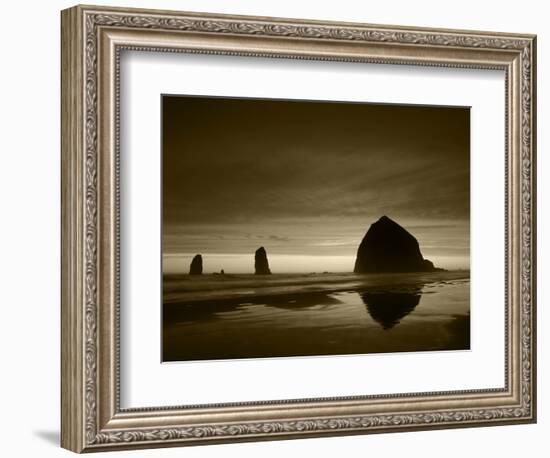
[(278, 228)]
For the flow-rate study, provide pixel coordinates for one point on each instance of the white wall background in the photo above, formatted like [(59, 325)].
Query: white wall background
[(29, 227)]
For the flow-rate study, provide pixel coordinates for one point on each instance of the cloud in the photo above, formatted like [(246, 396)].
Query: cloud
[(278, 238)]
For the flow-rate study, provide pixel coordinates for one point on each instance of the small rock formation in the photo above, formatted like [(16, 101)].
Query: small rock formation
[(388, 247), (261, 266), (196, 265)]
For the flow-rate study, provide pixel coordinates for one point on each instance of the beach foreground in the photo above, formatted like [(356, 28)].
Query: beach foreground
[(246, 316)]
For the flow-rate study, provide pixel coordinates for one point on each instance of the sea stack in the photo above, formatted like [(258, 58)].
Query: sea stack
[(196, 265), (261, 266), (388, 247)]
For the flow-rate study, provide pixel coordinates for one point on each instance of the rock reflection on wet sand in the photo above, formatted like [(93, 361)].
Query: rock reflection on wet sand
[(355, 316), (388, 308)]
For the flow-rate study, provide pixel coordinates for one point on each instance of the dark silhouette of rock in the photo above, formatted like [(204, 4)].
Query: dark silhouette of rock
[(388, 247), (429, 266), (196, 265), (389, 308), (261, 266)]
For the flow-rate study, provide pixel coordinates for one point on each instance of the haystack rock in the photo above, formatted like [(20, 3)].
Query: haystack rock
[(388, 247), (261, 266), (196, 265)]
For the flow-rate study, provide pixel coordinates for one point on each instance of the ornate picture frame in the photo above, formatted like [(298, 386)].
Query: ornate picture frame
[(92, 41)]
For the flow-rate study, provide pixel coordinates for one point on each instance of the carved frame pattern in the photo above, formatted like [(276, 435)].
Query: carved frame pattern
[(82, 404)]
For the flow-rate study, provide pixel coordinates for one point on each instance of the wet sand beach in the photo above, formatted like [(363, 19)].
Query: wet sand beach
[(212, 317)]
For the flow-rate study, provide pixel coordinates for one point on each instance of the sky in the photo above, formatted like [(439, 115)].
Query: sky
[(306, 179)]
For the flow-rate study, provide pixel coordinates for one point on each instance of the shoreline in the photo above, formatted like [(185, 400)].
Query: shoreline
[(184, 289)]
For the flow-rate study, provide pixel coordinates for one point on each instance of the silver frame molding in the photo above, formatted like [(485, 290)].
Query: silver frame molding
[(92, 40)]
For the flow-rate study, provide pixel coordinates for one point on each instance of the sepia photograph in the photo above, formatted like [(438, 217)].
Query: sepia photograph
[(278, 228), (312, 228)]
